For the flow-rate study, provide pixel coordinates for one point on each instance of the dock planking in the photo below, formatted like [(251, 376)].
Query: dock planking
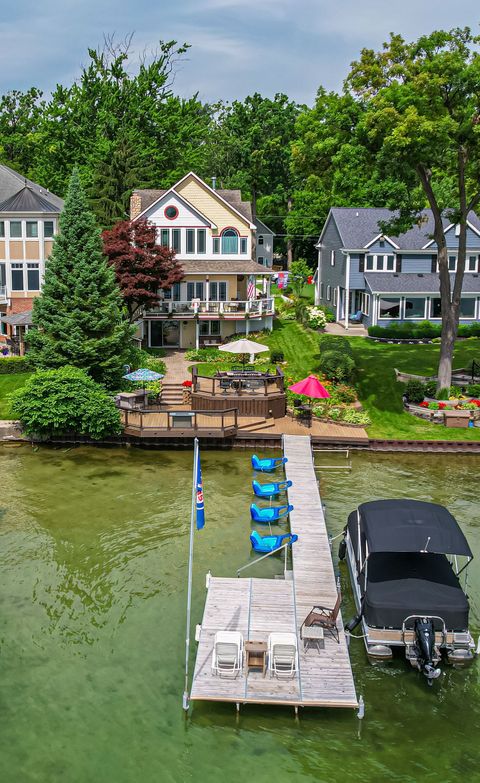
[(258, 607)]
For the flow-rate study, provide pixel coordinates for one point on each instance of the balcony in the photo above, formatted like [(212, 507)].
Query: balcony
[(3, 294), (180, 424), (230, 310)]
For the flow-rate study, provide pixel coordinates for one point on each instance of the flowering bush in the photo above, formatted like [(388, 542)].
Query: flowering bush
[(316, 318), (187, 384)]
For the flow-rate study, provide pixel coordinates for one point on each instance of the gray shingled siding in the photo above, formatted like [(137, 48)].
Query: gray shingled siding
[(357, 280), (418, 264), (386, 249), (332, 275), (473, 240)]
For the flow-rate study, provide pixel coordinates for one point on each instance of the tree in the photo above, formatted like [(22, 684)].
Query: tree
[(55, 402), (422, 122), (299, 271), (20, 114), (141, 265), (79, 315)]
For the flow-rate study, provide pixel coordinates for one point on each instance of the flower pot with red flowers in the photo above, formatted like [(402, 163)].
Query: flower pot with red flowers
[(187, 392)]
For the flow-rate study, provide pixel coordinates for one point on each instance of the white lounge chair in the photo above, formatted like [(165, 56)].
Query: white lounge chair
[(228, 650), (282, 654)]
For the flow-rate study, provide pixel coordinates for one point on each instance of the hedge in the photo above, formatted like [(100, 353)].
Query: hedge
[(420, 331), (336, 343), (14, 364)]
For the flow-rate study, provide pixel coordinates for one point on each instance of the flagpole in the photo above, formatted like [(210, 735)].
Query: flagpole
[(190, 572)]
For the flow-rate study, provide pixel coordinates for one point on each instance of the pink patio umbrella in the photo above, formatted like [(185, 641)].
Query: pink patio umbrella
[(310, 387)]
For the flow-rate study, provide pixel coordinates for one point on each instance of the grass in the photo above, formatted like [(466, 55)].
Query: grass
[(8, 383)]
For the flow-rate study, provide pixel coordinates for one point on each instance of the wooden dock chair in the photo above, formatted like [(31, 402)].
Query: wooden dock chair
[(282, 654), (325, 618), (228, 650)]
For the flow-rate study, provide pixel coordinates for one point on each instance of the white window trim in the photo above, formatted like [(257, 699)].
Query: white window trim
[(414, 317), (335, 297), (467, 260), (365, 303), (375, 257), (389, 317), (332, 257), (382, 238), (329, 293)]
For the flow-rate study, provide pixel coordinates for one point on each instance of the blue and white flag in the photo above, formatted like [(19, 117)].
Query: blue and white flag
[(199, 489)]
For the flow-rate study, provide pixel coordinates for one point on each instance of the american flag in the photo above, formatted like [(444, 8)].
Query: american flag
[(251, 288)]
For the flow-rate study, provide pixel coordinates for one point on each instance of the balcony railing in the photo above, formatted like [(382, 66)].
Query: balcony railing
[(182, 423), (3, 293), (239, 384), (231, 308)]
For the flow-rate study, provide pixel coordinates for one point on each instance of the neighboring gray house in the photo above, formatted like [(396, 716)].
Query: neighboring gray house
[(390, 278), (263, 244)]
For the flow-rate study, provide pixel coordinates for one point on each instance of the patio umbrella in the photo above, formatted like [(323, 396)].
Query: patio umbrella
[(143, 376), (310, 387), (243, 346)]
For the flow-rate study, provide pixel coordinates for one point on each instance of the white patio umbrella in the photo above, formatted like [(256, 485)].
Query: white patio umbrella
[(243, 346)]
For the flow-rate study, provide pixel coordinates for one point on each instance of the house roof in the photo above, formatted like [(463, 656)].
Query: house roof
[(19, 319), (12, 183), (411, 283), (232, 197), (358, 226), (215, 266), (262, 227), (27, 200)]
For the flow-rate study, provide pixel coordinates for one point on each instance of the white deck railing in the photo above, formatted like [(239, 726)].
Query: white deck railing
[(256, 307)]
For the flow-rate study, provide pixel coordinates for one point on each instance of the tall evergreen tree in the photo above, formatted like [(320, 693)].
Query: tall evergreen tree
[(79, 315)]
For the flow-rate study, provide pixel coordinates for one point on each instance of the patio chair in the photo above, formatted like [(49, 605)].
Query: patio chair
[(282, 654), (228, 650), (356, 318), (325, 618), (305, 416), (225, 384)]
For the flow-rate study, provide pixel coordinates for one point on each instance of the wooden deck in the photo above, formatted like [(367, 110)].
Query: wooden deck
[(258, 607)]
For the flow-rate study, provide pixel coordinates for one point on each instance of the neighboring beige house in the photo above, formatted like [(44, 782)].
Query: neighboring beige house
[(224, 291), (28, 222)]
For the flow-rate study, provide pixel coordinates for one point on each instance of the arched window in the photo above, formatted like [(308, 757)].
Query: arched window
[(230, 241)]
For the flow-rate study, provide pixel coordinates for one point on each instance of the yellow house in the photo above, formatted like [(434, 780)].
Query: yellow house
[(224, 290)]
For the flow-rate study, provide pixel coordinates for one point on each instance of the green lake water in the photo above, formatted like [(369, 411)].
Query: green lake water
[(93, 563)]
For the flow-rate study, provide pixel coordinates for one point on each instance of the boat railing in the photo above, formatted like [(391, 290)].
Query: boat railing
[(406, 630)]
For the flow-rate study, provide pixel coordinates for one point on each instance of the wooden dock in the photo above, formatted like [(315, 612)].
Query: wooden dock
[(258, 607)]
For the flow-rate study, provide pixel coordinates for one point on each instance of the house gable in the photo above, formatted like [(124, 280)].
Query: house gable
[(209, 203), (187, 215)]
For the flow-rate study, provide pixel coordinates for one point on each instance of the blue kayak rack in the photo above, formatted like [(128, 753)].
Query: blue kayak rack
[(266, 544), (271, 514), (271, 489), (269, 464)]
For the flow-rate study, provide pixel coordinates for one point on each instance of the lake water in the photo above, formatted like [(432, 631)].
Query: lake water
[(93, 561)]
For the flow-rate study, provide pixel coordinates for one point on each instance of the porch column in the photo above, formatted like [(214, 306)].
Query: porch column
[(197, 334), (264, 284), (207, 289), (347, 291)]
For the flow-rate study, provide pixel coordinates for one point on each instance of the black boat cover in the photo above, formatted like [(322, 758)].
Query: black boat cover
[(411, 526), (399, 585)]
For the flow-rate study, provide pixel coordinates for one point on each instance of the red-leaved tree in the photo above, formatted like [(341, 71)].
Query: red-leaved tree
[(141, 265)]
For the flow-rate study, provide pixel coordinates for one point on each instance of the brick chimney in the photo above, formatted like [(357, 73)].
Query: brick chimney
[(135, 205)]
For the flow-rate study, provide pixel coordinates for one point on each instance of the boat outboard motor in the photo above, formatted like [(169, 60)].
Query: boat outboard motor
[(342, 549), (425, 643)]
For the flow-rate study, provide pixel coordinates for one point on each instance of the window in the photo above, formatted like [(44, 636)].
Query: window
[(216, 244), (380, 263), (218, 292), (171, 212), (48, 228), (195, 291), (32, 229), (208, 328), (17, 277), (3, 276), (165, 237), (190, 240), (33, 277), (176, 239), (389, 307), (365, 304), (201, 240), (261, 260), (436, 308), (244, 244), (321, 290), (471, 265), (230, 241), (329, 293), (174, 290), (415, 307), (452, 263), (335, 297), (16, 229), (332, 257), (467, 308), (2, 228), (382, 243)]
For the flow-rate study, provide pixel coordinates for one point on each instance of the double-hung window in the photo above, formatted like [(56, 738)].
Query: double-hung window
[(208, 328), (471, 265), (172, 293), (195, 291), (15, 229), (3, 275), (218, 292), (190, 241), (48, 229), (201, 240), (244, 245), (2, 229), (165, 237), (33, 277), (32, 229), (216, 245), (17, 277), (176, 235), (380, 263), (452, 263)]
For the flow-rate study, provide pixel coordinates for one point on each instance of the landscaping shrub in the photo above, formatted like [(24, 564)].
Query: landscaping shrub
[(329, 314), (336, 365), (55, 402), (406, 331), (442, 394), (351, 416), (430, 388), (414, 391), (344, 393), (339, 344), (315, 318), (146, 360), (473, 389), (13, 364), (206, 355)]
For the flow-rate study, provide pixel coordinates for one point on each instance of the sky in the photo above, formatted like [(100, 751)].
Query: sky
[(237, 46)]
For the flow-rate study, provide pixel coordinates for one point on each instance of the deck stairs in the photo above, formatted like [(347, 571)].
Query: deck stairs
[(252, 424), (172, 394)]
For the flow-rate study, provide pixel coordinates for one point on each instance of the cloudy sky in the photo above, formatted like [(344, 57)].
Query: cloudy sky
[(238, 46)]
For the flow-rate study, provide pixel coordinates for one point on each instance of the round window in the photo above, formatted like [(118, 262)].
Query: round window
[(171, 212)]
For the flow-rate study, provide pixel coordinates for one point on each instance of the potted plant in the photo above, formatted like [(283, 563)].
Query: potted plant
[(187, 392)]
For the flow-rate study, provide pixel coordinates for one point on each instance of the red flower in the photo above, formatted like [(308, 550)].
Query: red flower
[(187, 384), (424, 404), (476, 402), (442, 406)]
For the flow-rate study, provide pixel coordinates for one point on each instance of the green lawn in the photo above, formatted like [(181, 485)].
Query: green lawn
[(9, 383)]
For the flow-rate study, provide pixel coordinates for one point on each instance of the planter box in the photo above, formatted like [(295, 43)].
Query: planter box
[(457, 418)]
